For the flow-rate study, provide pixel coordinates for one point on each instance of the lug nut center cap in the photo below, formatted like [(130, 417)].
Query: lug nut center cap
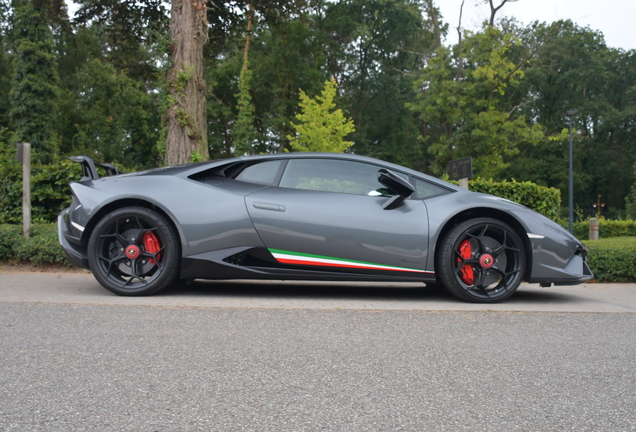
[(486, 261), (133, 251)]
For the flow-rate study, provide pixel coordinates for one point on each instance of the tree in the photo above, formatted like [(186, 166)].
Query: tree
[(128, 30), (630, 200), (375, 50), (321, 128), (243, 132), (5, 83), (574, 69), (34, 92), (111, 116), (187, 137), (462, 107)]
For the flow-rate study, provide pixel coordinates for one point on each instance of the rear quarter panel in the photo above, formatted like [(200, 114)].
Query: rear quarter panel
[(207, 216)]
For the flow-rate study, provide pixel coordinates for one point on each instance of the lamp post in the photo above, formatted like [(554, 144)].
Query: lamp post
[(571, 114)]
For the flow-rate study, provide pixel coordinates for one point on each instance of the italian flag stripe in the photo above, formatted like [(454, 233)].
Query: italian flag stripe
[(287, 257)]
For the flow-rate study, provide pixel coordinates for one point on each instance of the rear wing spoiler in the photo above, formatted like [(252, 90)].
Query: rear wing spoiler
[(89, 170)]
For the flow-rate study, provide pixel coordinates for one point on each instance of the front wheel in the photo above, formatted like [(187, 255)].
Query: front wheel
[(481, 260), (134, 251)]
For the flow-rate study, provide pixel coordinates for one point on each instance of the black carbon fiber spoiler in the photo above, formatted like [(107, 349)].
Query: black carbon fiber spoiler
[(89, 170)]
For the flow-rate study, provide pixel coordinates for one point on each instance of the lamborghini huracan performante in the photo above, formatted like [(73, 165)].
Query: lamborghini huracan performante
[(308, 216)]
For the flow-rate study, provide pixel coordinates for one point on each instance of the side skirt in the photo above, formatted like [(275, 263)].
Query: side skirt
[(249, 263)]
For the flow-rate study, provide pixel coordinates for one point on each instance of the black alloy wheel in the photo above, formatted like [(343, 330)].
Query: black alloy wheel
[(134, 251), (482, 260)]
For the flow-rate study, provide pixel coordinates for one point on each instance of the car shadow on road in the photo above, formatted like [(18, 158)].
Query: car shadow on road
[(342, 291)]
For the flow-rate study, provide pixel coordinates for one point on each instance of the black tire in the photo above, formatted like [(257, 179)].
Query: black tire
[(481, 260), (134, 251)]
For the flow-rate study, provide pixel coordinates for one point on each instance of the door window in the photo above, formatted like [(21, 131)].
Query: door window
[(330, 175)]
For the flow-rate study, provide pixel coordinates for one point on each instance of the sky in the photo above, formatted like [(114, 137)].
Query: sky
[(614, 18)]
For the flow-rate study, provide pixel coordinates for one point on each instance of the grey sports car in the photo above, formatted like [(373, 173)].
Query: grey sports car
[(308, 216)]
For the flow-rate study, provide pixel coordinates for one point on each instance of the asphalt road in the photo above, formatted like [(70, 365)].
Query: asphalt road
[(312, 357)]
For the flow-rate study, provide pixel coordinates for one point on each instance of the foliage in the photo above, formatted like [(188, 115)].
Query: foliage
[(243, 132), (49, 188), (461, 101), (322, 128), (111, 117), (34, 89), (613, 259), (499, 96), (375, 49), (5, 83), (42, 246), (574, 69), (546, 201), (630, 200), (607, 228), (128, 32)]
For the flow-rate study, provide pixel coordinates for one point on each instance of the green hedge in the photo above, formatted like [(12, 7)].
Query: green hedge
[(613, 259), (544, 200), (41, 248), (606, 228), (49, 190)]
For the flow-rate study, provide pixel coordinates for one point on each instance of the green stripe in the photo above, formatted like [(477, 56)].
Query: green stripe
[(338, 259)]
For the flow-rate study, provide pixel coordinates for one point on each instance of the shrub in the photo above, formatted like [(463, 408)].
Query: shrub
[(606, 228), (42, 246), (10, 235), (544, 200), (613, 259), (49, 190)]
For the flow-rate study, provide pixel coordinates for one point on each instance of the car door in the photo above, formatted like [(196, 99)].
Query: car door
[(328, 213)]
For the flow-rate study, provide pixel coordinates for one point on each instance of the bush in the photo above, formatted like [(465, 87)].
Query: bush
[(42, 247), (49, 190), (613, 259), (544, 200), (606, 228)]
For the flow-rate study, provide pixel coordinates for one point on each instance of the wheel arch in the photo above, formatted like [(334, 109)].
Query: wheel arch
[(127, 202), (491, 213)]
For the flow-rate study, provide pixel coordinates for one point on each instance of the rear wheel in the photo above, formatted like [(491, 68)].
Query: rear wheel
[(134, 251), (482, 260)]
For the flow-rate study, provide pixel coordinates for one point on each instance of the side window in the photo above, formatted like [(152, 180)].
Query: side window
[(330, 175), (264, 172), (425, 189)]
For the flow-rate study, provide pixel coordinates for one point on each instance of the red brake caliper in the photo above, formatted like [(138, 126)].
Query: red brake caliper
[(151, 244), (466, 273)]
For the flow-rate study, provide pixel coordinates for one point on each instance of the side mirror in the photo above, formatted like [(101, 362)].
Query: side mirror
[(394, 182)]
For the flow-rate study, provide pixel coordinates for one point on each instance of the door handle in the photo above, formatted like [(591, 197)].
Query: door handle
[(269, 206)]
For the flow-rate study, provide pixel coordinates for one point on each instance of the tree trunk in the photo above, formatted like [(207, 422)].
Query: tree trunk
[(460, 59), (187, 137), (437, 32), (248, 38)]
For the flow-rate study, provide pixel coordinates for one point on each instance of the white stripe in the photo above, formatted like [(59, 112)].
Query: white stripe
[(78, 226), (348, 263), (537, 236)]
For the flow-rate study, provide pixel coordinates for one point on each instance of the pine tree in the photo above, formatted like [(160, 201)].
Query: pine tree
[(321, 128), (34, 93)]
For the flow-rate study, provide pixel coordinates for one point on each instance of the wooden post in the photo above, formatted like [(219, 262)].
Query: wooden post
[(26, 189), (463, 183)]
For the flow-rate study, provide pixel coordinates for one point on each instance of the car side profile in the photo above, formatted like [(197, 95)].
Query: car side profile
[(309, 216)]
